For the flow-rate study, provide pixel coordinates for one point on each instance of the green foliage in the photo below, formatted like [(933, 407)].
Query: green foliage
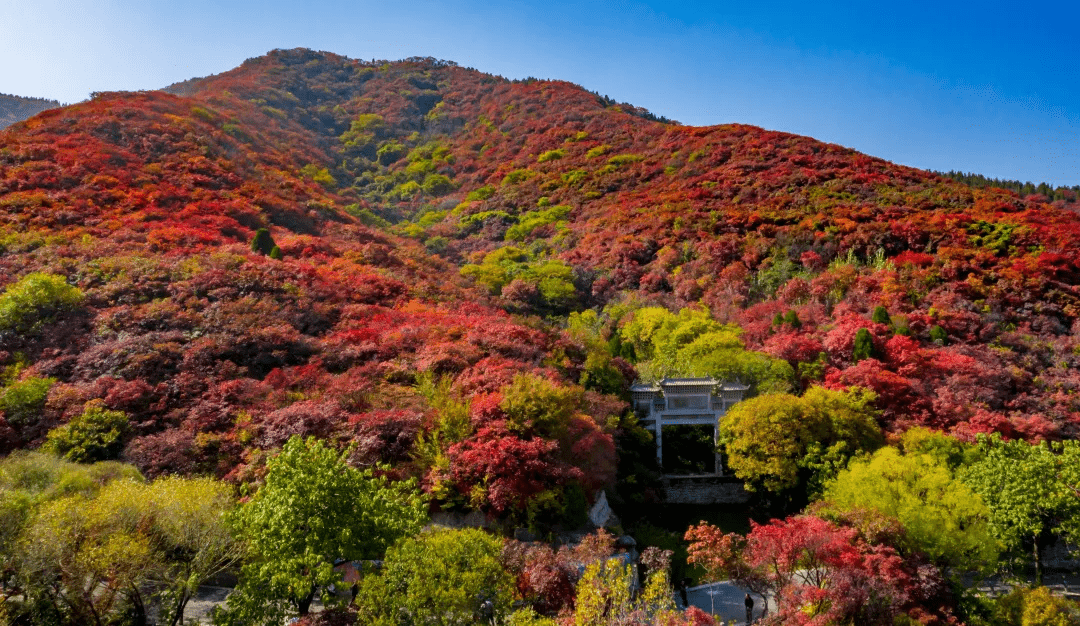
[(366, 217), (318, 174), (92, 542), (791, 318), (938, 335), (573, 177), (597, 151), (312, 510), (518, 176), (451, 424), (480, 193), (275, 253), (437, 185), (440, 576), (1030, 490), (863, 347), (780, 441), (390, 152), (36, 299), (1035, 606), (530, 221), (551, 278), (262, 242), (942, 517), (949, 451), (691, 343), (994, 236), (536, 405), (22, 401), (96, 435), (881, 316), (551, 155), (605, 595), (625, 159)]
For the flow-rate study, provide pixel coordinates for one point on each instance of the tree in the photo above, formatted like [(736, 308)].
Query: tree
[(96, 435), (441, 576), (863, 348), (815, 571), (262, 242), (96, 542), (1031, 491), (35, 299), (313, 510), (779, 441), (941, 516)]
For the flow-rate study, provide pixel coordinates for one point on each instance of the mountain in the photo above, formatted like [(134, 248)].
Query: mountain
[(433, 218), (16, 108)]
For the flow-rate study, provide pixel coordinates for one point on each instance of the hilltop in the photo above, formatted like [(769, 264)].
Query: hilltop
[(433, 218)]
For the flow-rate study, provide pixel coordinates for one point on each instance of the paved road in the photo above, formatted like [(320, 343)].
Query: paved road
[(723, 599)]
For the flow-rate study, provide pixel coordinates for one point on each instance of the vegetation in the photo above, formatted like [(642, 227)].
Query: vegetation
[(312, 511), (465, 276)]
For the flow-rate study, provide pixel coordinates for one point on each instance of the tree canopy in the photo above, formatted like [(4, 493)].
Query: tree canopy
[(312, 511)]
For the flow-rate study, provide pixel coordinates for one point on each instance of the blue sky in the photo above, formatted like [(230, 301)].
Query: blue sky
[(987, 87)]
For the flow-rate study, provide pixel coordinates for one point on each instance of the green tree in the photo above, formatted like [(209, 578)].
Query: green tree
[(440, 577), (36, 299), (536, 405), (263, 242), (95, 435), (691, 343), (22, 401), (780, 441), (881, 316), (863, 347), (942, 517), (186, 518), (312, 510), (1031, 490)]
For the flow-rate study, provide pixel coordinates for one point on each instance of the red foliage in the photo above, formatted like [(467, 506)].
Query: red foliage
[(816, 571), (304, 418), (510, 470), (384, 436)]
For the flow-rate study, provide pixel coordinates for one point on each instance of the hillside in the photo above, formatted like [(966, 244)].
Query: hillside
[(432, 218), (16, 108)]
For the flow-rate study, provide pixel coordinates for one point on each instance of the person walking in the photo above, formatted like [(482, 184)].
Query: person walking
[(749, 602)]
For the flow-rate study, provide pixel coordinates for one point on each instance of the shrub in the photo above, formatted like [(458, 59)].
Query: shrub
[(863, 347), (96, 435), (22, 401), (551, 155), (34, 300), (262, 242)]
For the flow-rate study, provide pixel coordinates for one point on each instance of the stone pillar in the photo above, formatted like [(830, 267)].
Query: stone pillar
[(660, 443)]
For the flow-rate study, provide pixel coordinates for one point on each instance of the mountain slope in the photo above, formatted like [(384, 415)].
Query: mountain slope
[(417, 202), (16, 108)]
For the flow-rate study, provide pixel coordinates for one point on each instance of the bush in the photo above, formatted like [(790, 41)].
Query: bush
[(96, 435), (439, 577), (551, 155), (262, 242), (864, 346), (36, 299), (22, 401)]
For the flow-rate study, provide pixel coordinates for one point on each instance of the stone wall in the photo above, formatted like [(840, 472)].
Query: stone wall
[(704, 490)]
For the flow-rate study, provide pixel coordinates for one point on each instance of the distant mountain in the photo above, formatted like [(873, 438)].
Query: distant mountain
[(433, 218), (16, 108)]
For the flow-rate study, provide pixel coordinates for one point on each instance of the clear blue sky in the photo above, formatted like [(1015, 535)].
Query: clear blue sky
[(987, 87)]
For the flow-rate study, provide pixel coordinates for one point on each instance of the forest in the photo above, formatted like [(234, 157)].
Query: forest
[(268, 324)]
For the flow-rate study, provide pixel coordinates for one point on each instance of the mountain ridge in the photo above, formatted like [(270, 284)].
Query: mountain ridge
[(17, 108)]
